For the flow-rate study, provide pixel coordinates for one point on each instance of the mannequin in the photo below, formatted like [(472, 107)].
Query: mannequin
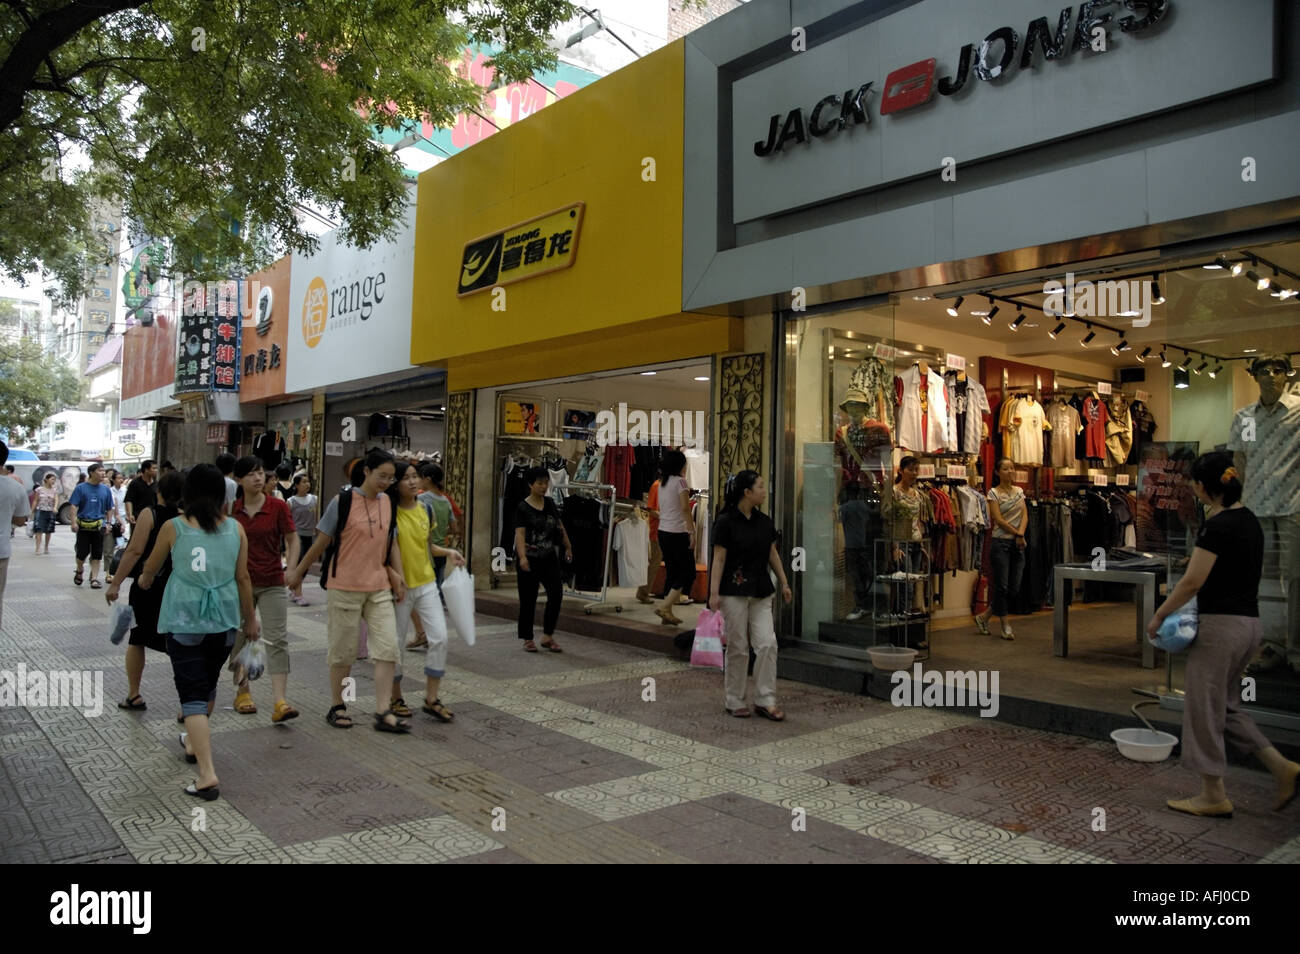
[(1265, 441)]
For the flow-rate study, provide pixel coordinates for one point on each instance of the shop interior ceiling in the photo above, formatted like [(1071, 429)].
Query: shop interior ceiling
[(1208, 310)]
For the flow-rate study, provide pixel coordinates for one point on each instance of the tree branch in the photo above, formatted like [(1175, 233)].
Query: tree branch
[(42, 37)]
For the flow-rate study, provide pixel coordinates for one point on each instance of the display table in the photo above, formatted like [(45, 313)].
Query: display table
[(1147, 583)]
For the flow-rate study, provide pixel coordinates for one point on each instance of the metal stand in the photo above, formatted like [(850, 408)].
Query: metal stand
[(606, 494), (901, 598)]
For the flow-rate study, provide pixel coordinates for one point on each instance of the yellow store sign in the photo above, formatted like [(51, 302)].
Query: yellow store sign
[(544, 244)]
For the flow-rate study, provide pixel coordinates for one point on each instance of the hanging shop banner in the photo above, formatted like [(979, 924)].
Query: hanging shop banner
[(547, 243), (265, 333), (208, 358), (1166, 507), (349, 311), (226, 348), (194, 359)]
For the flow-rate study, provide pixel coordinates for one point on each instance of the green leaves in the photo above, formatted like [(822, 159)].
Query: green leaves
[(33, 385), (199, 113)]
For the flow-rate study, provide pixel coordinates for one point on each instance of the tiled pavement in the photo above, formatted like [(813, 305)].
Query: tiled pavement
[(561, 758)]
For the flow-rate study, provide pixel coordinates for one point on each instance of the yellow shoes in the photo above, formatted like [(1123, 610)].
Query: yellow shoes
[(283, 712), (1286, 788), (244, 704)]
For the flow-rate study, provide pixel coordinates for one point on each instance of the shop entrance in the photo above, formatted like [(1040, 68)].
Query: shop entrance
[(1101, 381), (601, 439)]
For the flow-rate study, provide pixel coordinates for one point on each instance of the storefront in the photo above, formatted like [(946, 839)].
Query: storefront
[(348, 327), (1029, 216), (149, 375), (548, 285)]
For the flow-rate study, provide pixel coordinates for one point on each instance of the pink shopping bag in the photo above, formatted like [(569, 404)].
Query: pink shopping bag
[(706, 651)]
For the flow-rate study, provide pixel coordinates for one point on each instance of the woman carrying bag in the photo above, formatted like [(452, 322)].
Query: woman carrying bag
[(744, 549), (1223, 575)]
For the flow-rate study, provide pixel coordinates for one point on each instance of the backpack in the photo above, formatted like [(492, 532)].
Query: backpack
[(331, 556)]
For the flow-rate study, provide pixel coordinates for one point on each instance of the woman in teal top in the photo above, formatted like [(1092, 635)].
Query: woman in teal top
[(208, 593)]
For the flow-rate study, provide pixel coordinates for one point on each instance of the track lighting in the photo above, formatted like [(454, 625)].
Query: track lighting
[(1083, 342), (955, 308), (1236, 268), (1056, 331), (988, 319), (1261, 282), (1156, 297), (1164, 359), (1218, 368), (1203, 365), (1181, 379), (1142, 358), (1187, 361), (1019, 320), (1122, 346)]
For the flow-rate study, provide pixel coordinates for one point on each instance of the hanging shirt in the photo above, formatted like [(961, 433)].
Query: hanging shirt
[(1094, 426), (632, 544), (1007, 422), (1119, 433), (590, 467), (968, 402), (1144, 429), (697, 469), (1027, 444), (559, 480), (923, 428), (1064, 421)]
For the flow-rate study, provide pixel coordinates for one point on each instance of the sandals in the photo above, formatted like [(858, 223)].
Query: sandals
[(383, 725), (96, 585), (78, 578), (551, 647), (982, 625), (244, 704), (192, 759), (210, 794), (1007, 633), (439, 711), (338, 717), (530, 646), (133, 702), (775, 714), (283, 712), (399, 708), (418, 644), (741, 713)]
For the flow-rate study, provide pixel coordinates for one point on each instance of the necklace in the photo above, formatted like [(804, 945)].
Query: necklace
[(370, 523)]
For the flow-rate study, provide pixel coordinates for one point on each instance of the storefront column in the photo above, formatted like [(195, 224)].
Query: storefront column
[(742, 415), (458, 454)]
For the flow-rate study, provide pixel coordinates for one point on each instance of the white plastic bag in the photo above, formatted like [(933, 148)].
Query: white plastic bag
[(123, 619), (458, 591), (253, 659)]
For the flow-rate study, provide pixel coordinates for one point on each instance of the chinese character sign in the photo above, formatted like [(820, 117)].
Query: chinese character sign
[(227, 340), (193, 359), (540, 245)]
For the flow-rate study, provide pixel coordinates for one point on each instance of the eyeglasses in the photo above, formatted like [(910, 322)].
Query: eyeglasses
[(384, 478), (1272, 372)]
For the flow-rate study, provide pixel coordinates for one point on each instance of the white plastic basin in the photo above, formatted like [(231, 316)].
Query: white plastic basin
[(891, 657), (1144, 745)]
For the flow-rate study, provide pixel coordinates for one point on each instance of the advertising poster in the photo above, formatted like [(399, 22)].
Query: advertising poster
[(579, 423), (521, 418), (1167, 513)]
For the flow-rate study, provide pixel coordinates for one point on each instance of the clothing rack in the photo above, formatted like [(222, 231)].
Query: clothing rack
[(606, 494)]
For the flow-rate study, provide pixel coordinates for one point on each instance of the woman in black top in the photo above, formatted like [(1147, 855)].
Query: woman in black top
[(1223, 575), (145, 603), (744, 549), (538, 534)]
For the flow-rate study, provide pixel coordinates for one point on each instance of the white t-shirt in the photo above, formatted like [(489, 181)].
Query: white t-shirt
[(232, 491), (672, 518), (119, 501), (697, 469), (632, 543), (1027, 441), (13, 503)]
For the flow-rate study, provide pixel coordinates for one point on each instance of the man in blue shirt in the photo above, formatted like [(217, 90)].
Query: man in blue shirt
[(92, 503)]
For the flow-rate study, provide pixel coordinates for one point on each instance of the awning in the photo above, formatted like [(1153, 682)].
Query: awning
[(109, 353)]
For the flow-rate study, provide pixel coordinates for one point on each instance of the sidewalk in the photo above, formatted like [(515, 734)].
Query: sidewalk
[(559, 758)]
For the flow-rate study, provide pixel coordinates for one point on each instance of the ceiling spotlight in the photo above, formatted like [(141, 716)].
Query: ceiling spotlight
[(1020, 319), (1187, 361), (955, 308), (988, 319), (1083, 342), (1218, 263), (1115, 349), (1156, 297), (1203, 365), (1164, 359), (1142, 358), (1218, 368), (1181, 379), (1237, 267), (1262, 283), (1056, 331)]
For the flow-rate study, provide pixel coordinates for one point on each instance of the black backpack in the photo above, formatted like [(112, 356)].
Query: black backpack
[(332, 551)]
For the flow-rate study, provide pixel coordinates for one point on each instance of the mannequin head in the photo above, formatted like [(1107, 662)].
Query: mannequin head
[(1271, 372)]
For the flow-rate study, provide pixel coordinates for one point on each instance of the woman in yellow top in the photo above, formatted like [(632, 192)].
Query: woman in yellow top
[(415, 533)]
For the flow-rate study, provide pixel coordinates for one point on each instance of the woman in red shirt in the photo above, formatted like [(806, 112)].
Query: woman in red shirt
[(268, 524)]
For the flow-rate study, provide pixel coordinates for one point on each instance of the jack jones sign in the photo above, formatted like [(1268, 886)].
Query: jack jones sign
[(913, 85), (938, 84)]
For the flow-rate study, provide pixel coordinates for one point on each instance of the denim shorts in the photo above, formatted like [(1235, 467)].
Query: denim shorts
[(197, 661)]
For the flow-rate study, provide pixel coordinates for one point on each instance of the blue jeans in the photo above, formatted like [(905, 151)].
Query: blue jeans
[(1008, 564)]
